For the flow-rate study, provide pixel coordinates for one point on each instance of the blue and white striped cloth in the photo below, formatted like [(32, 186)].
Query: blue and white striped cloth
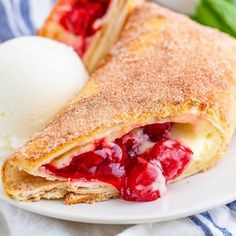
[(23, 17)]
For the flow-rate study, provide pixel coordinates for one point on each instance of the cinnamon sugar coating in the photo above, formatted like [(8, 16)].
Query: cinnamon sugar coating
[(163, 65)]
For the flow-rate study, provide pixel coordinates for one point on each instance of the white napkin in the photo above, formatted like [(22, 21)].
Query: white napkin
[(16, 222)]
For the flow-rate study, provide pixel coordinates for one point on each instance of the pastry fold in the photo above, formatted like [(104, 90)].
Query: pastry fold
[(164, 68), (99, 43)]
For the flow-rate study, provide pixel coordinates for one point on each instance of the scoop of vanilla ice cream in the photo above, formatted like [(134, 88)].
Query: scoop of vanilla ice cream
[(38, 76)]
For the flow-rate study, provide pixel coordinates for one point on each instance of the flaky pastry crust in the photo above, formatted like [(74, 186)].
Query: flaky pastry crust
[(164, 66)]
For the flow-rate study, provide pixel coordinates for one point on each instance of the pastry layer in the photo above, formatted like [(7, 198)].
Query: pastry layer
[(91, 42), (163, 68), (204, 141)]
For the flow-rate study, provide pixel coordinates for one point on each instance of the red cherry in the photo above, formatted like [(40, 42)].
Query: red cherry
[(172, 155), (145, 181), (113, 173), (125, 161), (133, 140), (157, 131), (80, 19), (137, 177), (131, 145), (86, 161), (113, 152)]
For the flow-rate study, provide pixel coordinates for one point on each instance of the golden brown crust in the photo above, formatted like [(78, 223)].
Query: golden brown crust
[(73, 198), (21, 186), (164, 65), (156, 69)]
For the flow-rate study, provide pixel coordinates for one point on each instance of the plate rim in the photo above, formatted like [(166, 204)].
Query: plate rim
[(135, 220), (228, 195)]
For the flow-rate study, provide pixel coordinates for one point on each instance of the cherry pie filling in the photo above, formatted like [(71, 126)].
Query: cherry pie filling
[(139, 164), (81, 17)]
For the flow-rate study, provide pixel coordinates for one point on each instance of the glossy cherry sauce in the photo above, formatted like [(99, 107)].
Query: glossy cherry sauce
[(80, 18), (139, 164)]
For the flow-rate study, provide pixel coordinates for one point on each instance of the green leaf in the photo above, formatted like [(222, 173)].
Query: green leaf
[(206, 16), (227, 13), (219, 14)]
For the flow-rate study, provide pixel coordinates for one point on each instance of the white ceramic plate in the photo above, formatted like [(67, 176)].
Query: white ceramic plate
[(186, 197)]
